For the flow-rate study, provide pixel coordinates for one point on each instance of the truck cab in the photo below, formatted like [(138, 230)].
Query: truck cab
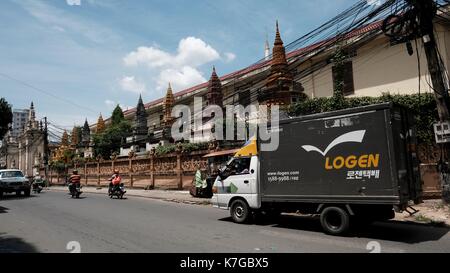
[(237, 180)]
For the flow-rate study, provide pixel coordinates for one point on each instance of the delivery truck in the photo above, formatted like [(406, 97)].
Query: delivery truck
[(349, 167)]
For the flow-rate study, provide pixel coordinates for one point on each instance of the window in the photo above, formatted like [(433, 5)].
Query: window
[(239, 166), (11, 174), (349, 87)]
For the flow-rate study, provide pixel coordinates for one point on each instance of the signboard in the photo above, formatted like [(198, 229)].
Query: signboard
[(442, 132)]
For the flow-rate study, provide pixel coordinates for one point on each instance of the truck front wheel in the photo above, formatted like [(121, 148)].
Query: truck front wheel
[(334, 220), (240, 211)]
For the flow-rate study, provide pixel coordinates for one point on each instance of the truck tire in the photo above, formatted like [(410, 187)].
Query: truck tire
[(1, 193), (27, 192), (240, 211), (335, 220)]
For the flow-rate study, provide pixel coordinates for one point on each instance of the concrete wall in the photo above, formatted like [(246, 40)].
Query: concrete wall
[(380, 67)]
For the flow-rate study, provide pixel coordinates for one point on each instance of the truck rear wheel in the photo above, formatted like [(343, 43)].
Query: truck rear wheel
[(335, 220), (240, 211)]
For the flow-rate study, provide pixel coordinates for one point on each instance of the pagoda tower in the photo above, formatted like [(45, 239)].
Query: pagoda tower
[(214, 94), (279, 84)]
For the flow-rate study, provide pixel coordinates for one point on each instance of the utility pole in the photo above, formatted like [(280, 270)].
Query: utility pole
[(46, 149), (426, 11)]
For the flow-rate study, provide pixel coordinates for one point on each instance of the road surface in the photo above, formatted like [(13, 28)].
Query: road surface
[(49, 221)]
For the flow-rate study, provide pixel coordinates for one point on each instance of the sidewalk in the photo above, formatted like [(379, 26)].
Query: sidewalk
[(432, 212), (166, 195)]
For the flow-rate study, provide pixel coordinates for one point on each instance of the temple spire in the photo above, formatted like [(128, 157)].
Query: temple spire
[(279, 83), (169, 101), (100, 124), (214, 92), (141, 118), (32, 118), (278, 51)]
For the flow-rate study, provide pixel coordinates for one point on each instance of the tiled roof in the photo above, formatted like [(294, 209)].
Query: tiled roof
[(370, 27)]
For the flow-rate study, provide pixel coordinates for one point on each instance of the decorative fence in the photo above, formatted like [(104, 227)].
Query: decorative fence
[(171, 171), (176, 170)]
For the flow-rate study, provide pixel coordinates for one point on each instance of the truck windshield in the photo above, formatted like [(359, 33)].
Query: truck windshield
[(10, 174)]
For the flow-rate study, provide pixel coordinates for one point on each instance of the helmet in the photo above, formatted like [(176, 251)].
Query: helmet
[(116, 171), (75, 171)]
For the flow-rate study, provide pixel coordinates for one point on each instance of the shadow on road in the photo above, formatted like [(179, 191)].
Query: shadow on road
[(405, 232), (3, 209), (11, 244), (13, 196)]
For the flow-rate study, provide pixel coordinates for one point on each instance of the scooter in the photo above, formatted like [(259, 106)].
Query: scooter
[(118, 191), (75, 190)]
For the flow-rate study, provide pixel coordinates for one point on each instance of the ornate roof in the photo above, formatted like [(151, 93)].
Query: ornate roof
[(100, 124), (278, 51), (214, 93), (169, 101), (141, 118)]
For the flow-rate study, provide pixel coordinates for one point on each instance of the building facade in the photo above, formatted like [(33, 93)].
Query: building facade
[(26, 152), (19, 122)]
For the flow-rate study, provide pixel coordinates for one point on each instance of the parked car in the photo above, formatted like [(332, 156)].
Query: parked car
[(14, 181)]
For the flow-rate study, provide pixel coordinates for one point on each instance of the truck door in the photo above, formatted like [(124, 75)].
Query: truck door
[(239, 178)]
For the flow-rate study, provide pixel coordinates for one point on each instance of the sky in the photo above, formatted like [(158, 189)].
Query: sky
[(76, 59)]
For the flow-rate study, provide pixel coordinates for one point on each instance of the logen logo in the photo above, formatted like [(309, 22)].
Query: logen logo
[(355, 136)]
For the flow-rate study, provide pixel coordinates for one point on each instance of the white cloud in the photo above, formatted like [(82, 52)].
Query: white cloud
[(191, 51), (130, 83), (73, 2), (180, 68), (179, 78), (110, 104), (229, 57)]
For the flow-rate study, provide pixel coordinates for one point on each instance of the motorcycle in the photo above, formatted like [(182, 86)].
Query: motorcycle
[(117, 191), (75, 190), (38, 185)]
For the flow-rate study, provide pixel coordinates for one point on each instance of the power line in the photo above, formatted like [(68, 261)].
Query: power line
[(46, 92)]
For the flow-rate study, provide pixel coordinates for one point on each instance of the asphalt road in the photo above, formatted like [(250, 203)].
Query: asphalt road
[(49, 221)]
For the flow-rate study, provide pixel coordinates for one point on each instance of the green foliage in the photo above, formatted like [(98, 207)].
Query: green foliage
[(117, 116), (422, 106), (186, 147), (167, 149), (6, 117), (110, 140), (59, 166), (338, 62), (190, 147)]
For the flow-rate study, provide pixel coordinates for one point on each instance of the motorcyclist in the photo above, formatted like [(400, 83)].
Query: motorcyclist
[(116, 179), (74, 180)]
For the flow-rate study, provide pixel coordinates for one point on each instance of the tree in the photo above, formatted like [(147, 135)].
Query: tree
[(5, 117), (110, 139), (117, 116)]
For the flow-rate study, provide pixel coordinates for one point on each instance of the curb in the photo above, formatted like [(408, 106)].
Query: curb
[(190, 202)]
